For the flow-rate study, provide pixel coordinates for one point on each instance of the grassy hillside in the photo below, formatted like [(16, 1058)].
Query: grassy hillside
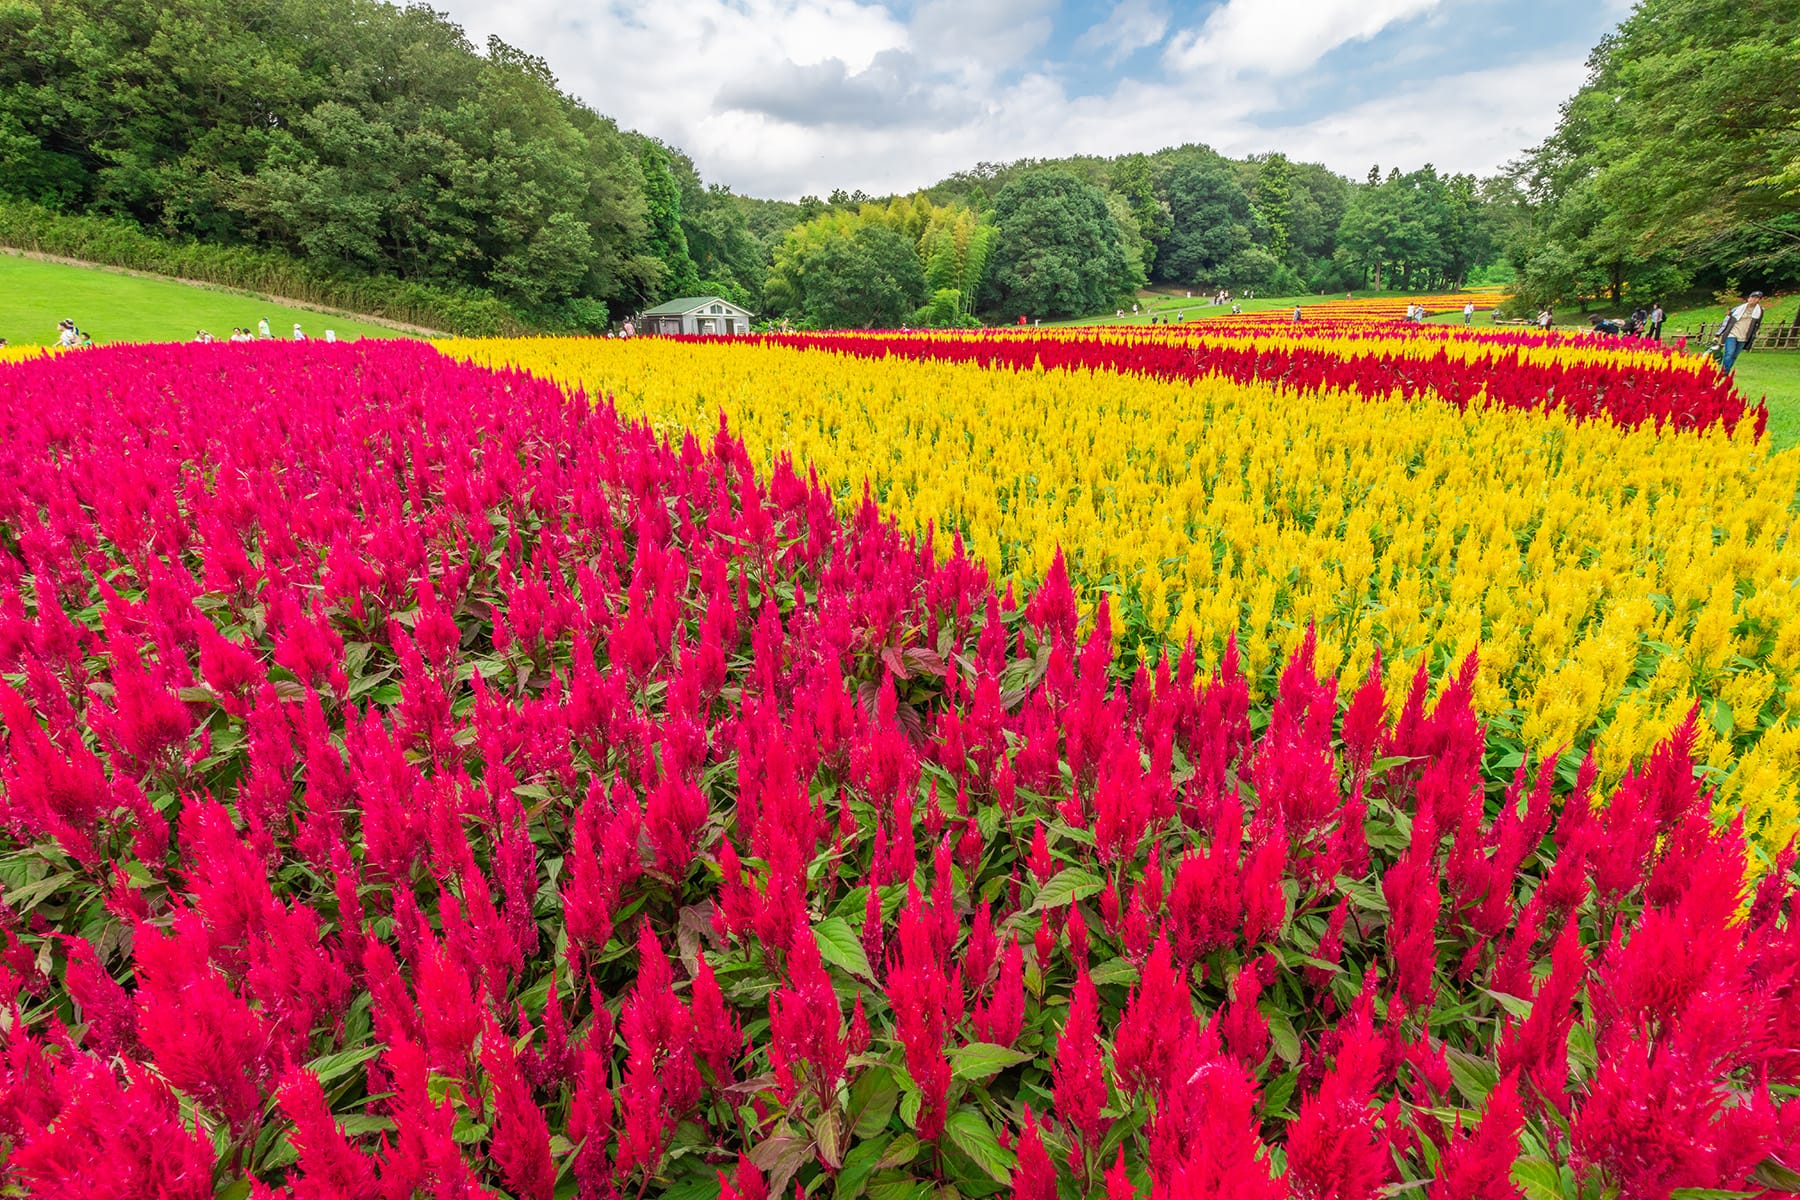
[(116, 307)]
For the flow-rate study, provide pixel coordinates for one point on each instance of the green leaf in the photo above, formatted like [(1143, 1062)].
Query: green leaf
[(1065, 887), (872, 1101), (1118, 970), (1776, 1177), (1474, 1077), (840, 947), (1512, 1004), (23, 898), (979, 1060), (1722, 720), (1280, 1091), (1281, 1033), (357, 1124), (343, 1062), (1539, 1178), (898, 1187), (1701, 1193), (975, 1137), (900, 1151), (859, 1164)]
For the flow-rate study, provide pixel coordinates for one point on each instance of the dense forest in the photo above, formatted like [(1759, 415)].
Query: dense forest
[(372, 152), (366, 140), (1676, 167)]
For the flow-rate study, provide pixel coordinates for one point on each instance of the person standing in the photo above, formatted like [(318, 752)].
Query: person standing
[(1543, 320), (1657, 317), (1739, 330), (629, 330), (1469, 313), (298, 336), (65, 332), (262, 329)]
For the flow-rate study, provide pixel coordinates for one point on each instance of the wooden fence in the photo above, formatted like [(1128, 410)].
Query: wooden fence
[(1769, 337)]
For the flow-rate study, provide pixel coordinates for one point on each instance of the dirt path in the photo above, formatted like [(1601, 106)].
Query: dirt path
[(284, 301)]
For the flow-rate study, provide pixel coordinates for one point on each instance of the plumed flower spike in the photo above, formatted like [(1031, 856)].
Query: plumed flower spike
[(1034, 1176), (112, 1141), (1080, 1073)]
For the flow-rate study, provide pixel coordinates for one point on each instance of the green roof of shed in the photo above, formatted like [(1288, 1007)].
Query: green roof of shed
[(687, 304)]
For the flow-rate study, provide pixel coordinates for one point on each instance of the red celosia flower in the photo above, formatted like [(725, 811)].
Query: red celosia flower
[(111, 1141), (1335, 1150), (1080, 1074), (330, 1167), (1478, 1166), (1034, 1176)]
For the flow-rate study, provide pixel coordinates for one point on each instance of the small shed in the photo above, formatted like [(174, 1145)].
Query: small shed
[(704, 316)]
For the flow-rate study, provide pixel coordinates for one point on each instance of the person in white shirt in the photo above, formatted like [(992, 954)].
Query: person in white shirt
[(298, 336), (1469, 313), (65, 332), (331, 335), (1739, 330), (262, 328)]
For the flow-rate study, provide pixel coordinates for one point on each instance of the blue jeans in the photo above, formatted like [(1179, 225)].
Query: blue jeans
[(1729, 359)]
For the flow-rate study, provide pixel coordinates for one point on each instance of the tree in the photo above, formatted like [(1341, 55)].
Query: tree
[(1680, 146), (866, 280), (1058, 249), (360, 137), (1275, 202), (1135, 179), (667, 240), (1210, 220)]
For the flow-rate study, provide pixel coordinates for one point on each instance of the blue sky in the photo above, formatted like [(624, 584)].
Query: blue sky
[(786, 97)]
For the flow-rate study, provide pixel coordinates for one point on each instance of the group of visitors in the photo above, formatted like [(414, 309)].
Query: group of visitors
[(1643, 322), (71, 337), (262, 334)]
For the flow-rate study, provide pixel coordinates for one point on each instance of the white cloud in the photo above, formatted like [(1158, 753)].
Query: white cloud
[(1471, 122), (1282, 37), (785, 97), (1132, 25), (980, 39)]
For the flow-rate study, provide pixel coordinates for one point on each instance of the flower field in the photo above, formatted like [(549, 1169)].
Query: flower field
[(1367, 309), (1041, 767)]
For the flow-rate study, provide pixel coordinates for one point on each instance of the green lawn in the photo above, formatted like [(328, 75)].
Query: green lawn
[(1774, 376), (116, 307)]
